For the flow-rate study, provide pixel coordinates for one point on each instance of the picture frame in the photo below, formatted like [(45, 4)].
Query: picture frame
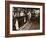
[(13, 28)]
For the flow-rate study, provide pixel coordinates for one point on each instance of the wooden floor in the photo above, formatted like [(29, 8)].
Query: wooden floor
[(30, 26)]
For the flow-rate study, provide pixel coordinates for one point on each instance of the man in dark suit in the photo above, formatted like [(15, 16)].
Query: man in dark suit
[(28, 24)]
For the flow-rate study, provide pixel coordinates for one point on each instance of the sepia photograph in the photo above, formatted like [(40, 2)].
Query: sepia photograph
[(26, 18)]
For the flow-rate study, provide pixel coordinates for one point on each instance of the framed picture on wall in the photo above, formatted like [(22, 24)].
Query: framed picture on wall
[(24, 19)]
